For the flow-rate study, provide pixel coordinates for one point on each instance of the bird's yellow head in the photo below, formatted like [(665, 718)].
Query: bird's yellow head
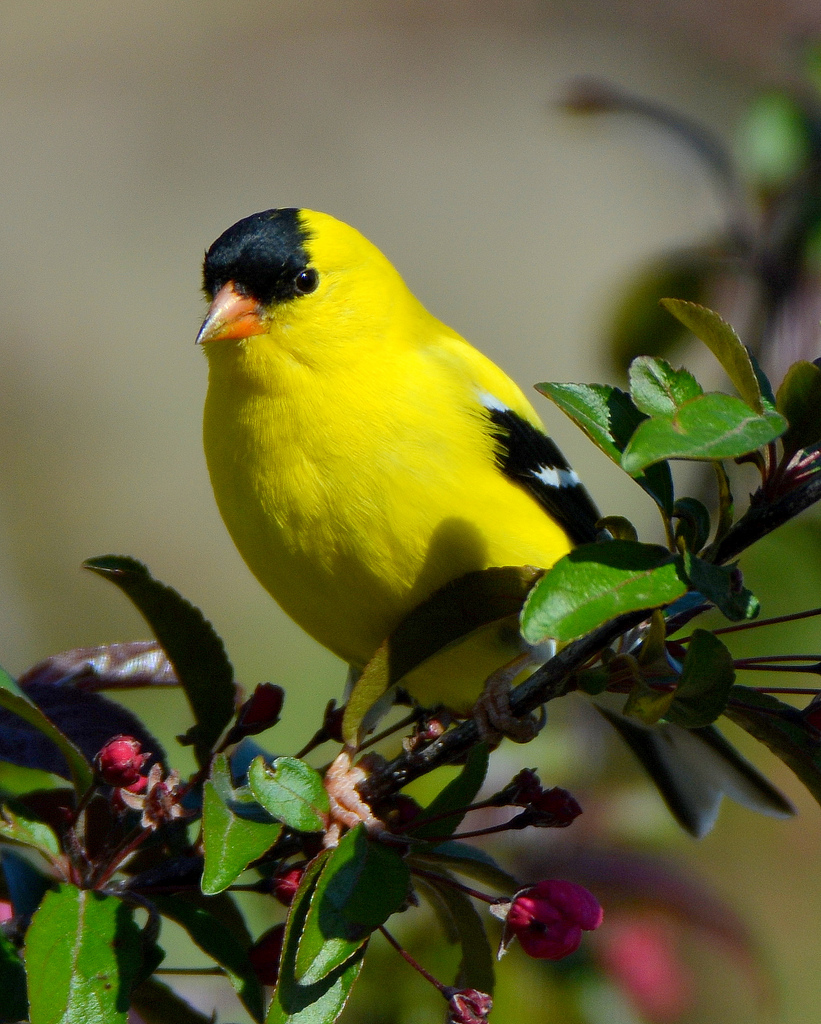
[(301, 280)]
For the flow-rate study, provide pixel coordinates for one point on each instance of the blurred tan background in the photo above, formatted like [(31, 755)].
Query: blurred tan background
[(131, 135)]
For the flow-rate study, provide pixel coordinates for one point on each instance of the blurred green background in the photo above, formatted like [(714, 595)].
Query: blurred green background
[(133, 134)]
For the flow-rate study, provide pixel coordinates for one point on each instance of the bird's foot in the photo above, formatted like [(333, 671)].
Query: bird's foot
[(347, 806), (492, 710)]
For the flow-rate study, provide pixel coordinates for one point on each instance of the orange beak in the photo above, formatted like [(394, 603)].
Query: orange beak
[(231, 315)]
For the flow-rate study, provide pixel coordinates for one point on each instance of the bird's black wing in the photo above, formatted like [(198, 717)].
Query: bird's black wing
[(527, 455)]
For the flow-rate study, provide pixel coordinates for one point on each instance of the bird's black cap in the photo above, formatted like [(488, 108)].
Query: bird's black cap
[(262, 254)]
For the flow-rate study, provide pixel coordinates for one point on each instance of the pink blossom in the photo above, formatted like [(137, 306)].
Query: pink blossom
[(548, 918)]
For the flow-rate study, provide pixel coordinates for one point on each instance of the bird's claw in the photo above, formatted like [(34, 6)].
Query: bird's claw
[(347, 808), (492, 710)]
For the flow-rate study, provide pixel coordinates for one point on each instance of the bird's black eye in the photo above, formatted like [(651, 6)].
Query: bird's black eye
[(306, 281)]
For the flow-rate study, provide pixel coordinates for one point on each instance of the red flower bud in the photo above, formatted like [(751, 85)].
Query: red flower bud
[(548, 919), (261, 710), (265, 953), (523, 788), (284, 886), (468, 1006), (119, 762), (332, 722), (558, 805)]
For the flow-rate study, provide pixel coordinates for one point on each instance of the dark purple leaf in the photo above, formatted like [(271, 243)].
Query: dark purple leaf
[(89, 720), (110, 667)]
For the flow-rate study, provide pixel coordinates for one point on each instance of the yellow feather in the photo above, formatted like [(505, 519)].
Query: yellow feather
[(353, 463)]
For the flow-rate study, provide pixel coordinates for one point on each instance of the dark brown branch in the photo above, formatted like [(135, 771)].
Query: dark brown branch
[(550, 681), (762, 518)]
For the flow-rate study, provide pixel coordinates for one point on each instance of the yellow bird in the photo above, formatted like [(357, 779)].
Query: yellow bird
[(362, 453)]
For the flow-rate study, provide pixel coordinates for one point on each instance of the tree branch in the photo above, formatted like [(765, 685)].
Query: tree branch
[(762, 518), (552, 680)]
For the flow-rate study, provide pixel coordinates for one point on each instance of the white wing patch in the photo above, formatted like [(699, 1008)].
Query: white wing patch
[(552, 477), (490, 401)]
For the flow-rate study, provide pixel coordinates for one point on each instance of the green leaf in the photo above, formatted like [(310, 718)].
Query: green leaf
[(476, 965), (726, 508), (369, 688), (81, 773), (290, 791), (82, 953), (216, 926), (647, 704), (597, 582), (193, 647), (18, 825), (693, 526), (7, 682), (799, 401), (782, 729), (14, 1004), (618, 527), (231, 841), (609, 418), (320, 1002), (458, 794), (764, 385), (720, 584), (707, 677), (361, 885), (658, 389), (593, 681), (463, 859), (713, 426), (725, 345), (156, 1003)]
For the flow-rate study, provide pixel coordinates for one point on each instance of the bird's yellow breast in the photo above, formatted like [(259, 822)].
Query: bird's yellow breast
[(354, 465)]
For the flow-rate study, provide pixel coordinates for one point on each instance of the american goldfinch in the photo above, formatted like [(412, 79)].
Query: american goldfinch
[(363, 454)]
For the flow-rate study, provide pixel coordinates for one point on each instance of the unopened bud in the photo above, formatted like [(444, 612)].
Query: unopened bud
[(119, 762)]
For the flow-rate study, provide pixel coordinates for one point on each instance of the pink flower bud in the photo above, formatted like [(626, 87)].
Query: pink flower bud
[(265, 955), (468, 1006), (548, 919), (119, 762)]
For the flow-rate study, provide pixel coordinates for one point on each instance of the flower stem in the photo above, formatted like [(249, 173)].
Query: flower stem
[(414, 963), (793, 617), (453, 884)]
